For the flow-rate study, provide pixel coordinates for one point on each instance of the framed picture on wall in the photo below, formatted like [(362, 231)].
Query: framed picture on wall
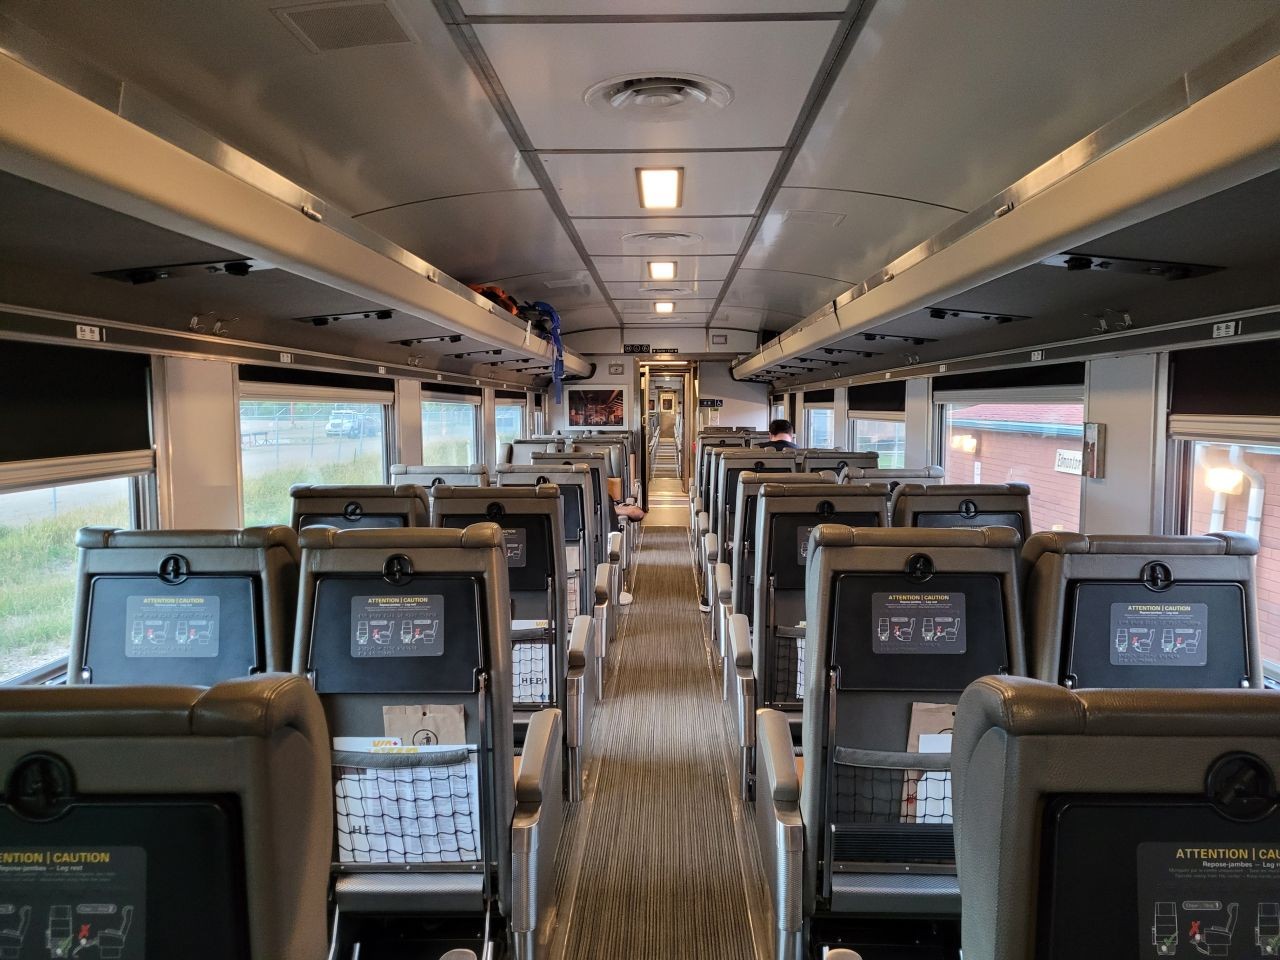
[(668, 404), (590, 407)]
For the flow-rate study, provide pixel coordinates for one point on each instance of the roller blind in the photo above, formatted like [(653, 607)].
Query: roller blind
[(1231, 380), (890, 396), (1048, 375)]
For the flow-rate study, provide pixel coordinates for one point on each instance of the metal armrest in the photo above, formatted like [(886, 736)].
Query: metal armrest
[(604, 622), (781, 830), (722, 576), (535, 826), (710, 547), (744, 696), (615, 546), (578, 700)]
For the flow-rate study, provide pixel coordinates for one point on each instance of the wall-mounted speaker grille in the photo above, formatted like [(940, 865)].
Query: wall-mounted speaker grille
[(344, 24)]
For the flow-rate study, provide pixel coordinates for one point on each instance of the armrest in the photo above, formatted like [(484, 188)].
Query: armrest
[(776, 760), (724, 583), (580, 642), (738, 646), (710, 551), (539, 758), (704, 523), (615, 546), (603, 575), (740, 641)]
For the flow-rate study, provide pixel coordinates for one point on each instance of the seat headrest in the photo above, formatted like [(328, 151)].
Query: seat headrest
[(838, 535), (896, 473), (1210, 545), (1025, 707), (413, 470), (543, 491), (834, 491), (366, 490), (244, 707), (964, 490), (482, 534), (550, 469), (255, 538)]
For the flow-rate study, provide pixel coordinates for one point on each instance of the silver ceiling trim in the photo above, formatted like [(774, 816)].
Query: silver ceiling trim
[(473, 52), (553, 19), (31, 324), (28, 50), (851, 23), (1234, 62)]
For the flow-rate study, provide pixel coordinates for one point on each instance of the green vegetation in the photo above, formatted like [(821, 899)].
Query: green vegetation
[(266, 496), (37, 585), (452, 453)]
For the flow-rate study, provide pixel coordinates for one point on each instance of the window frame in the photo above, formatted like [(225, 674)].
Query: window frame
[(884, 416), (477, 422), (835, 428), (524, 421)]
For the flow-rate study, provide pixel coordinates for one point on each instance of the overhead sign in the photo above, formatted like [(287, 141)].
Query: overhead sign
[(635, 348), (711, 404), (665, 350)]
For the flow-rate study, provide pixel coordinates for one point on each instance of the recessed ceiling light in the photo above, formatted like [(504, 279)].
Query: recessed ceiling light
[(662, 269), (664, 306), (661, 188)]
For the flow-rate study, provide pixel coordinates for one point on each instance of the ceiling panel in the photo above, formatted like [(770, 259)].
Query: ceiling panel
[(753, 318), (586, 318), (705, 289), (365, 127), (635, 269), (675, 320), (582, 8), (683, 304), (769, 67), (475, 239), (629, 236), (787, 292), (848, 236), (715, 184), (916, 114)]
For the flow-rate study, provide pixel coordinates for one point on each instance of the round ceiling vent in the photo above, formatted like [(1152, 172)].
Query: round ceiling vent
[(657, 98), (673, 238)]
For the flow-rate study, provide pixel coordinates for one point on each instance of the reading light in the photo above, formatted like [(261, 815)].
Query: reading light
[(1224, 479), (964, 442), (662, 269), (660, 188), (664, 306)]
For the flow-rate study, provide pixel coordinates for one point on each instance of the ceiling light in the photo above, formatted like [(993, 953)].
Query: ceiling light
[(664, 306), (660, 188), (662, 269)]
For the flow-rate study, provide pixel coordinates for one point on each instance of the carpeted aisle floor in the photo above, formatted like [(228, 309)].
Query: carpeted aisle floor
[(660, 871)]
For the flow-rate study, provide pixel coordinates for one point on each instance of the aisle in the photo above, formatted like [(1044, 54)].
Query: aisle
[(661, 871)]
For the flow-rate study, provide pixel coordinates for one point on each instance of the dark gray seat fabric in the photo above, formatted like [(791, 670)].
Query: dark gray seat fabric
[(182, 606), (963, 505), (1068, 800), (898, 622), (1142, 611), (223, 793), (452, 586), (475, 475), (369, 505)]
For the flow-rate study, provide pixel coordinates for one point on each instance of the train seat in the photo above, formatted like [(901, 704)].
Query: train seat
[(1143, 819), (475, 475), (1142, 611), (521, 451), (837, 460), (963, 505), (768, 661), (364, 505), (898, 623), (202, 818), (551, 657), (182, 606), (894, 476)]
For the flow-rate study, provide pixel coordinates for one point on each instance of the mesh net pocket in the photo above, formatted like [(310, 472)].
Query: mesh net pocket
[(407, 808), (788, 669), (890, 806), (531, 673)]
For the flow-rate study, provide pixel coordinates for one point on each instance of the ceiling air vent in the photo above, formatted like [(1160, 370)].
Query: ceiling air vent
[(658, 98), (344, 24), (673, 238)]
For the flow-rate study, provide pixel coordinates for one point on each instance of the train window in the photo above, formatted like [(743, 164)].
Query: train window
[(1031, 442), (508, 421), (1228, 489), (449, 432), (885, 437), (38, 564), (820, 428), (283, 442)]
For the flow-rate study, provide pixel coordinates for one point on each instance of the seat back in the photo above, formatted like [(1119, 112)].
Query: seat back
[(182, 606), (786, 516), (579, 512), (729, 466), (120, 796), (522, 451), (899, 622), (1143, 611), (741, 547), (702, 469), (390, 621), (1159, 804), (532, 525), (370, 505), (476, 475), (837, 460), (895, 476), (963, 505), (596, 463)]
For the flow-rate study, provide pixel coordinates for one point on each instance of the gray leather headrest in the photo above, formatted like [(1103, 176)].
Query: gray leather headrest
[(964, 490), (479, 535), (838, 535), (257, 538), (1211, 545)]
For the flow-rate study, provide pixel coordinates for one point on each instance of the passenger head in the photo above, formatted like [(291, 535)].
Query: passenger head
[(782, 430)]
